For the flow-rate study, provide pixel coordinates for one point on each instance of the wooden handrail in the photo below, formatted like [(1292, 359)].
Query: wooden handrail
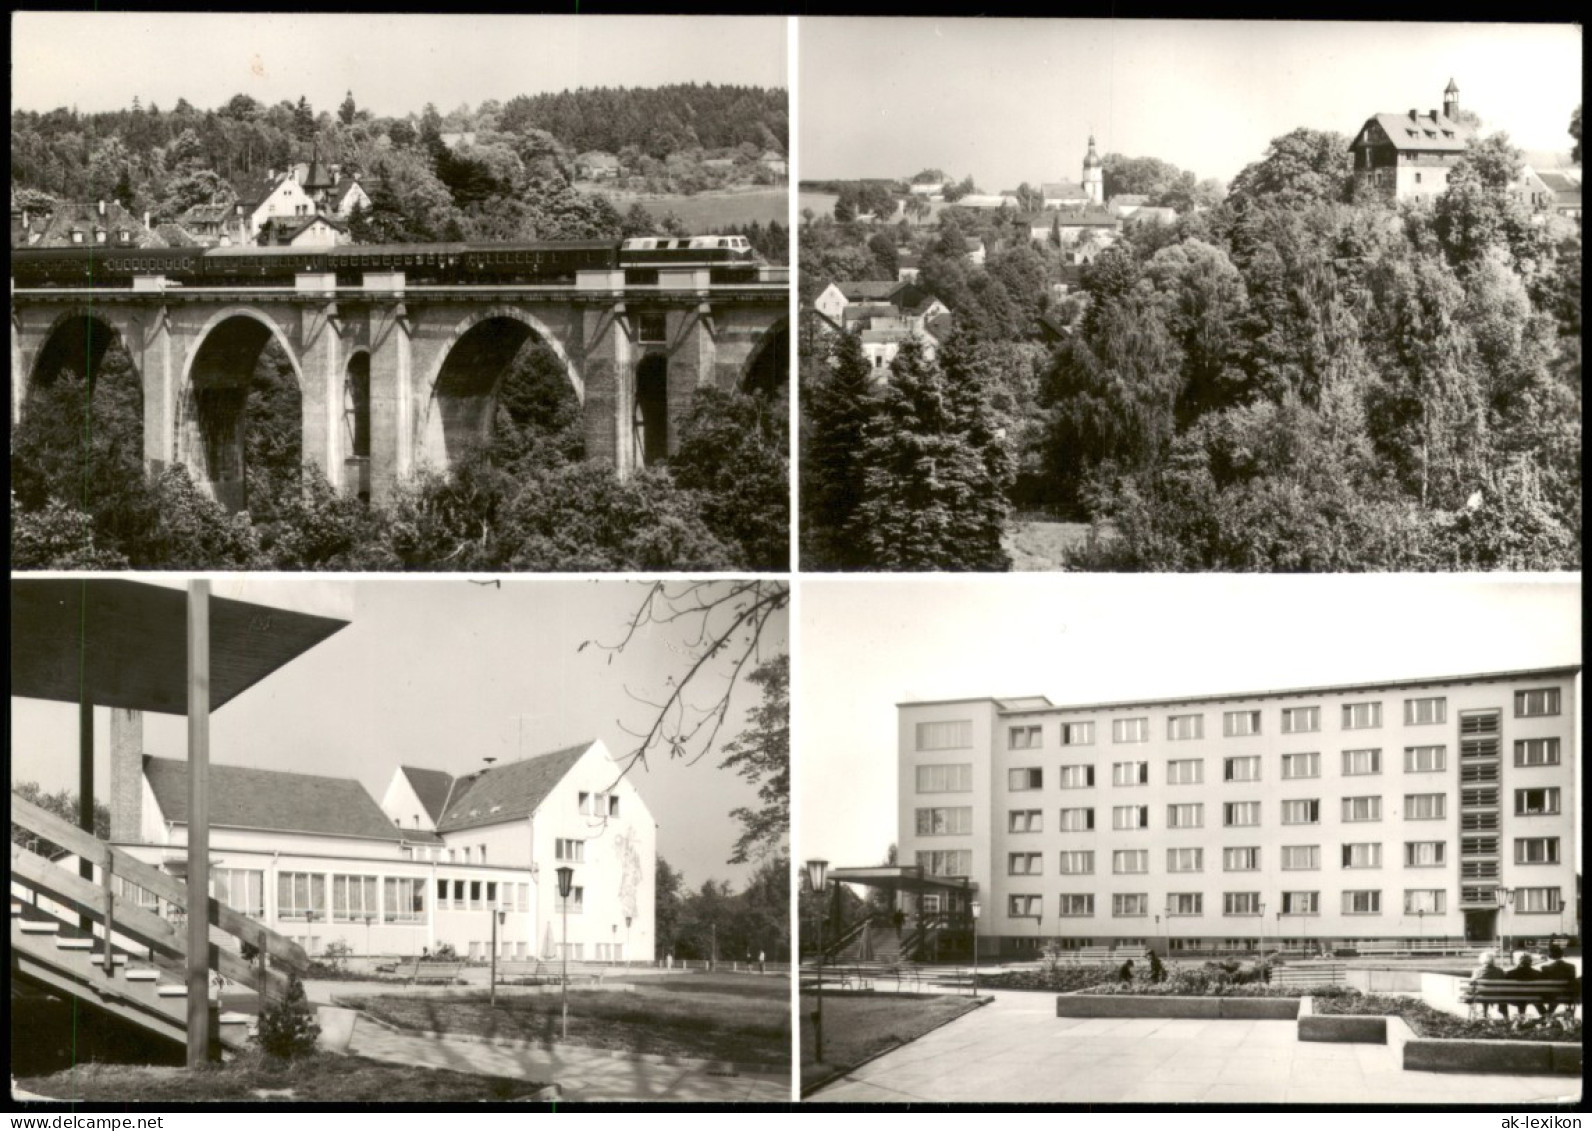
[(134, 871), (62, 884)]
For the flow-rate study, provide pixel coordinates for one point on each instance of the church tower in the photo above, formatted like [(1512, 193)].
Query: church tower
[(1093, 176), (1451, 101)]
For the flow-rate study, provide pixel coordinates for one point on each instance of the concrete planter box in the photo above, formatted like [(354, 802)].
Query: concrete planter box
[(1205, 1008), (1514, 1058), (1346, 1030)]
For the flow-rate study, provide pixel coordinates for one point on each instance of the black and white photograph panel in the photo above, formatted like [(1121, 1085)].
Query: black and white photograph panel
[(1188, 841), (355, 292), (462, 841), (1179, 296)]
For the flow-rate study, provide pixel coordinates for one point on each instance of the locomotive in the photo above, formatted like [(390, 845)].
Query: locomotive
[(544, 262)]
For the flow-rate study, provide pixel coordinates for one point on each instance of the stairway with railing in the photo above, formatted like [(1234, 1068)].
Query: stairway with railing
[(82, 938)]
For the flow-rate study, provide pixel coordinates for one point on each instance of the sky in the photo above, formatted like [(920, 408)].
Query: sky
[(394, 64), (442, 674), (1015, 100), (866, 644)]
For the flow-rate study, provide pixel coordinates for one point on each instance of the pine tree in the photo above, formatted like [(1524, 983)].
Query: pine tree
[(837, 403)]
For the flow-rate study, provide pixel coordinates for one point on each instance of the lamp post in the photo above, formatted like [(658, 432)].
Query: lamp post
[(566, 878), (368, 918), (1261, 911), (1420, 924), (817, 877), (975, 909), (1506, 897), (497, 918), (627, 942)]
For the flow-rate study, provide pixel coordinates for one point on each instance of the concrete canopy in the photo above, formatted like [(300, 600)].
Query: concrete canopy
[(904, 877), (123, 644)]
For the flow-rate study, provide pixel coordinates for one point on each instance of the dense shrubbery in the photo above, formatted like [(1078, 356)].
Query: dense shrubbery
[(287, 1030), (1431, 1022)]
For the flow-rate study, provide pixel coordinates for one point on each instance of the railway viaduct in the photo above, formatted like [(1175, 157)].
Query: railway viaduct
[(393, 378)]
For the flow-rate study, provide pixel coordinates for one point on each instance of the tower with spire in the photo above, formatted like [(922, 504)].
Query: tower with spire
[(1093, 175), (1451, 101)]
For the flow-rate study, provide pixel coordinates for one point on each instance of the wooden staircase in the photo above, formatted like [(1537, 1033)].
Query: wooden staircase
[(119, 962)]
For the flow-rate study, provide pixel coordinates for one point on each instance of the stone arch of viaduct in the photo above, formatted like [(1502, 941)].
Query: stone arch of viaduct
[(389, 386)]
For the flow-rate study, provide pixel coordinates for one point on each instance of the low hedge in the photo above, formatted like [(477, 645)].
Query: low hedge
[(1432, 1023)]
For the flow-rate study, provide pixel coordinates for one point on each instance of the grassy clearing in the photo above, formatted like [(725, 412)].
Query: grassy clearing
[(708, 210), (857, 1029), (1040, 545), (254, 1078), (711, 1023)]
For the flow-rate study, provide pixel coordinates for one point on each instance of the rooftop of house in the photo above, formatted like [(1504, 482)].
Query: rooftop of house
[(242, 797), (508, 792), (1071, 218), (85, 217), (1561, 183), (432, 787), (1062, 190), (1428, 132), (870, 290)]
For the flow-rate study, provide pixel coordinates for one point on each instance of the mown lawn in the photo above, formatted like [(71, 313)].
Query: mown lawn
[(1039, 545), (748, 1025), (254, 1078), (857, 1029)]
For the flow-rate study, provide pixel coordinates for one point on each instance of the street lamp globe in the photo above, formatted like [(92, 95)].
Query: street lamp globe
[(817, 873)]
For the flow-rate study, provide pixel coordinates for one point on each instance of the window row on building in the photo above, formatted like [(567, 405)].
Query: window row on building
[(1191, 904), (352, 898), (1364, 715)]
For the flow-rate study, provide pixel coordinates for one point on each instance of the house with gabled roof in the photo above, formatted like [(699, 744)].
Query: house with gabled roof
[(318, 859), (1409, 156)]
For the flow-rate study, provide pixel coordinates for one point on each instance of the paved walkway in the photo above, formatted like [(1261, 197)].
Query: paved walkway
[(1016, 1050), (585, 1074)]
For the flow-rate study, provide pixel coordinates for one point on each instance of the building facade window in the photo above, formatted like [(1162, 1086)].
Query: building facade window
[(1023, 906), (576, 902), (1185, 903), (1301, 765), (1538, 901), (1241, 859), (1241, 903), (1425, 806), (946, 862), (1529, 704), (353, 898), (1130, 730), (574, 851), (1130, 861), (1025, 738), (1185, 860), (1536, 802), (1362, 716), (1183, 727), (1130, 773), (1301, 857), (1240, 724), (1301, 903), (242, 889), (1537, 850), (1362, 808), (1240, 814), (1362, 903), (1025, 821), (1076, 905), (1025, 778), (1077, 863), (957, 734), (1425, 853), (1077, 820), (404, 899), (300, 894), (1304, 811), (1077, 777), (1537, 752), (1425, 901), (950, 821), (1185, 771), (1301, 720), (1130, 905), (1246, 768), (590, 805), (1364, 855), (1425, 712), (1023, 864), (1077, 734), (1130, 817), (955, 778), (1188, 816), (1425, 759), (1358, 762)]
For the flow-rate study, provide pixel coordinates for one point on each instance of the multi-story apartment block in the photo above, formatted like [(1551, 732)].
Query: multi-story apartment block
[(1428, 808)]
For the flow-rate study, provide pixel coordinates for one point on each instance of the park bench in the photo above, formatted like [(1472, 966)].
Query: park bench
[(1087, 954), (1482, 992), (1136, 953), (549, 972), (1302, 975), (838, 977), (418, 970)]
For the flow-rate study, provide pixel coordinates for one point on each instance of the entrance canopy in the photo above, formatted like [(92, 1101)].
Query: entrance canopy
[(903, 878), (120, 643)]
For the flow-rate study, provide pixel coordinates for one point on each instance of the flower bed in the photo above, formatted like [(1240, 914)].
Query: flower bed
[(1063, 979), (1426, 1021)]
